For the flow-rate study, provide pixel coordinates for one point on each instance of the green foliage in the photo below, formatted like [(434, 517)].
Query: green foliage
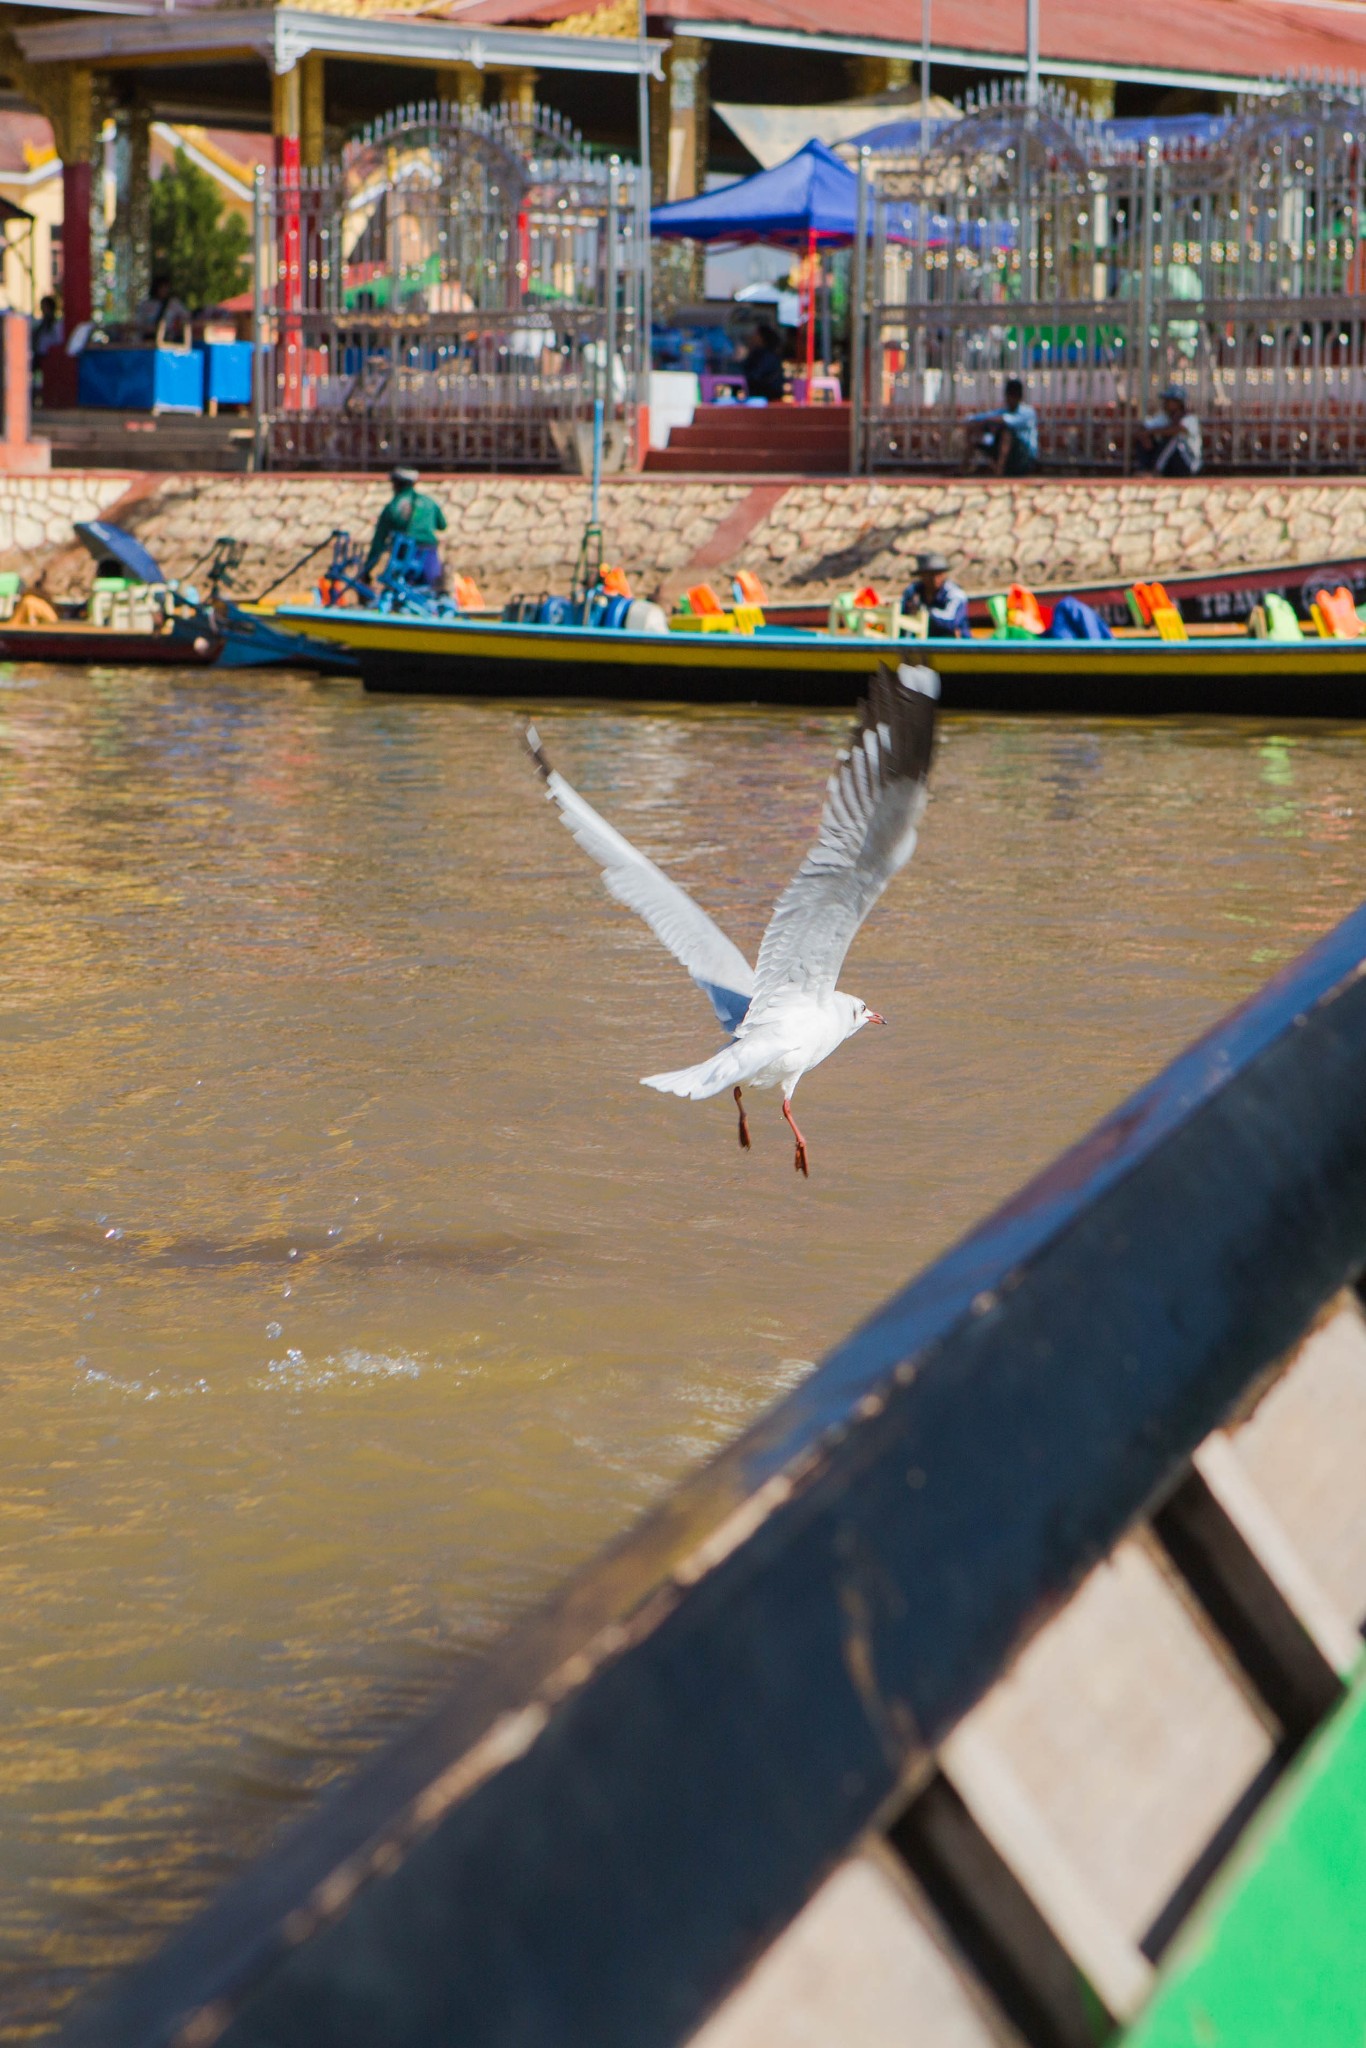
[(199, 246)]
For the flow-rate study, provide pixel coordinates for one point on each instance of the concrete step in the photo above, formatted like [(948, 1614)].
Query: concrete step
[(709, 437), (794, 462), (772, 419), (766, 440), (95, 439)]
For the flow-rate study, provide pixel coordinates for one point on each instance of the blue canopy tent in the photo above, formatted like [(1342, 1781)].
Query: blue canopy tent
[(810, 199), (807, 203), (903, 135)]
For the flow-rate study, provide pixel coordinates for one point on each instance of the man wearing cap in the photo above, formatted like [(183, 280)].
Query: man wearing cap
[(1169, 441), (418, 518), (936, 594)]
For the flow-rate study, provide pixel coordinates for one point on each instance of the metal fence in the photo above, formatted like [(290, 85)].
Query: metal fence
[(1100, 267), (456, 292)]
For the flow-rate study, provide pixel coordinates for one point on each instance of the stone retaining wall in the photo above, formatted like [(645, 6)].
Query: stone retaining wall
[(804, 539), (37, 512)]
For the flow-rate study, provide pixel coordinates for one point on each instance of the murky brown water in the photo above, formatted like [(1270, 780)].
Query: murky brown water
[(353, 1288)]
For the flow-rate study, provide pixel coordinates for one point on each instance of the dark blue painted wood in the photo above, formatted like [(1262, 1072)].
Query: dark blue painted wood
[(730, 1711)]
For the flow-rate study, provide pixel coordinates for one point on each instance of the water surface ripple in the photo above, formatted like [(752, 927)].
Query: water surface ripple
[(355, 1290)]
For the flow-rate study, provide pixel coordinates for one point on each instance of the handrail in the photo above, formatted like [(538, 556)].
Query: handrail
[(601, 1830)]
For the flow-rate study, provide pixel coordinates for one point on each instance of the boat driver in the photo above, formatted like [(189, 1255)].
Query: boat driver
[(412, 514), (936, 596)]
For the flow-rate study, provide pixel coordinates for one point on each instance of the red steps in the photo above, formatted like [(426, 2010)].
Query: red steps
[(799, 440)]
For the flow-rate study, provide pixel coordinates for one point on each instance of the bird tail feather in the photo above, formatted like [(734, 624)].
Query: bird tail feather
[(709, 1078)]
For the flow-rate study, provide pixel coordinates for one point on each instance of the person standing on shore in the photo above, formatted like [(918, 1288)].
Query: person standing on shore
[(412, 514)]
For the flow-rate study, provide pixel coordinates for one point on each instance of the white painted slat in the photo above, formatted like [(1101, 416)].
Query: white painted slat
[(859, 1968)]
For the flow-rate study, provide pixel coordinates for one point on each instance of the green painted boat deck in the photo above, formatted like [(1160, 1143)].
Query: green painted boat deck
[(1276, 1957)]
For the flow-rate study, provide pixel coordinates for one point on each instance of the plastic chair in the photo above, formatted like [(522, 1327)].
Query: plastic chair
[(1023, 612), (1149, 605), (1274, 619), (1335, 615)]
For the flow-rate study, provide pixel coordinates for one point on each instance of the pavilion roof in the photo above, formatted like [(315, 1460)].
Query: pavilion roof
[(1218, 40)]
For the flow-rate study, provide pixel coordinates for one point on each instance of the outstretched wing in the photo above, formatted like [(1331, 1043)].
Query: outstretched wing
[(867, 833), (718, 967)]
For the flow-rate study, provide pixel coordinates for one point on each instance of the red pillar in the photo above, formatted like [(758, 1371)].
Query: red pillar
[(19, 453), (290, 261), (77, 299), (61, 372)]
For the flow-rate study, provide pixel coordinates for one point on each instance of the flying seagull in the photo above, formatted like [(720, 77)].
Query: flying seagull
[(785, 1014)]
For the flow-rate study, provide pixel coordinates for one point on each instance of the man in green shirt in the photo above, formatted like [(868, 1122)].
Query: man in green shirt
[(418, 518)]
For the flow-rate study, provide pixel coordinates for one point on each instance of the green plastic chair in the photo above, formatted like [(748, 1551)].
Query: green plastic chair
[(1281, 623)]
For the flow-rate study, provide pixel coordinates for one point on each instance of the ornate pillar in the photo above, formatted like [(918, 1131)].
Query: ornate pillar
[(1097, 96), (312, 111), (460, 85), (685, 165), (286, 113), (518, 89), (76, 146), (869, 76), (132, 232)]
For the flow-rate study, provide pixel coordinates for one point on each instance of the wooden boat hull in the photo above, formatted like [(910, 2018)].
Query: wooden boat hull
[(72, 640), (1236, 677), (1203, 598), (252, 639)]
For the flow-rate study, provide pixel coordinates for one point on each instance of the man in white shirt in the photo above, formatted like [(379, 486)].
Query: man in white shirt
[(1168, 442)]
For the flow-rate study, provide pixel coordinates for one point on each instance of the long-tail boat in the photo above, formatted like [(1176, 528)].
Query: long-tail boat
[(1003, 1684), (1136, 675)]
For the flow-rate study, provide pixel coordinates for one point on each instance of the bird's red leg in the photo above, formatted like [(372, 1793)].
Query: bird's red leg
[(799, 1163), (744, 1122)]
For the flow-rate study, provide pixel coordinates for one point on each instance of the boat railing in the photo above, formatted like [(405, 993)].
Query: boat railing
[(1042, 1480)]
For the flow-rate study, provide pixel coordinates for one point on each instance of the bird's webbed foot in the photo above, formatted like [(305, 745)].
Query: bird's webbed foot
[(799, 1164), (744, 1122)]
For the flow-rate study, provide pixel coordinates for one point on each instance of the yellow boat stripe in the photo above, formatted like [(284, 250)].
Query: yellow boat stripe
[(560, 648)]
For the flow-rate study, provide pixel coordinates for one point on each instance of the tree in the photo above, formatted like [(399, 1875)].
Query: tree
[(195, 242)]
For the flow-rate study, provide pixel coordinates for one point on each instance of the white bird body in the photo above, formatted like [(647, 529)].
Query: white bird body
[(774, 1053), (786, 1014)]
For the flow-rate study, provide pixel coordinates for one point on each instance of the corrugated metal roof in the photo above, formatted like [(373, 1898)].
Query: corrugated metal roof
[(1235, 38)]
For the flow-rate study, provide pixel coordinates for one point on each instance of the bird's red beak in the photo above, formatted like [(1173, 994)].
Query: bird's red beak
[(876, 1017)]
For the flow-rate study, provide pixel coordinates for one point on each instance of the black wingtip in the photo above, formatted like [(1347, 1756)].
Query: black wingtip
[(905, 700), (532, 741)]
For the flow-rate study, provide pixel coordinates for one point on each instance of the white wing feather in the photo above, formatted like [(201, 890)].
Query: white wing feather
[(717, 965), (873, 805)]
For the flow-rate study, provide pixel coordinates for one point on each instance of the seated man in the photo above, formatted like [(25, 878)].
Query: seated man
[(411, 512), (161, 316), (1009, 439), (762, 368), (935, 592), (1168, 442)]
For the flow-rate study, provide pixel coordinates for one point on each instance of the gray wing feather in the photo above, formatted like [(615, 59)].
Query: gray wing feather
[(718, 966), (873, 806)]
